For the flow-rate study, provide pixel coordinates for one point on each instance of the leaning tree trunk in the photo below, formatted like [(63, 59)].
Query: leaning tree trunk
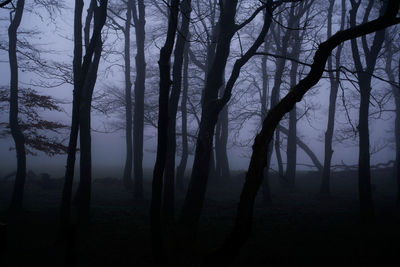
[(138, 15), (169, 188), (18, 136), (127, 176), (243, 223)]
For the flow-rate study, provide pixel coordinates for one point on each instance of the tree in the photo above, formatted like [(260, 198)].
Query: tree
[(19, 139), (169, 192), (212, 105), (334, 79), (390, 51), (85, 75), (243, 223), (162, 135), (364, 76), (138, 15)]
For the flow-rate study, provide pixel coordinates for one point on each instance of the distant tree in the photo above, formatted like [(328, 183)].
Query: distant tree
[(364, 77), (334, 79), (390, 71)]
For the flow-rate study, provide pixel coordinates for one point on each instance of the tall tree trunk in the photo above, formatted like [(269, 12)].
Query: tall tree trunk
[(169, 188), (87, 82), (334, 81), (212, 106), (243, 223), (396, 92), (264, 108), (162, 137), (364, 80), (180, 171), (127, 176), (291, 152), (18, 136), (397, 134), (65, 211), (138, 15)]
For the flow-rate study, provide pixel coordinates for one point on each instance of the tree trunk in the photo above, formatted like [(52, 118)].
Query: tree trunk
[(334, 81), (65, 211), (169, 188), (87, 83), (162, 137), (364, 80), (18, 136), (305, 148), (221, 142), (127, 176), (138, 15), (180, 171)]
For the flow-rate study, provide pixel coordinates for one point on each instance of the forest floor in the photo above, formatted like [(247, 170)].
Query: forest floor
[(295, 229)]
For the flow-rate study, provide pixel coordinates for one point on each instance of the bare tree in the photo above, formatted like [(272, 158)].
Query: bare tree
[(334, 78), (243, 223), (364, 76)]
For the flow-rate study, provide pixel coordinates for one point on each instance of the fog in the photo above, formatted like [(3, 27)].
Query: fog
[(178, 104)]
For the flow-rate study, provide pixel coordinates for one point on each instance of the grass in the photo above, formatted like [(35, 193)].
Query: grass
[(295, 229)]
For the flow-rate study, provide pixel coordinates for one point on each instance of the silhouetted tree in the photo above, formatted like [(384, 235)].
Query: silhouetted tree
[(364, 76), (19, 140), (334, 79)]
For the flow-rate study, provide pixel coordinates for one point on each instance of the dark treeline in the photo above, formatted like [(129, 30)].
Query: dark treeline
[(207, 78)]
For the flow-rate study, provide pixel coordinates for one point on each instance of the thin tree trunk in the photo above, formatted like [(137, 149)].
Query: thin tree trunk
[(138, 15), (127, 176), (65, 211), (162, 138), (305, 148), (180, 171), (334, 81), (169, 188), (18, 136)]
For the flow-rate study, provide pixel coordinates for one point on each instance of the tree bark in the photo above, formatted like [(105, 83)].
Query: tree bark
[(169, 188), (18, 136), (364, 77), (65, 210), (180, 171), (334, 79), (138, 15), (162, 138), (127, 176)]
